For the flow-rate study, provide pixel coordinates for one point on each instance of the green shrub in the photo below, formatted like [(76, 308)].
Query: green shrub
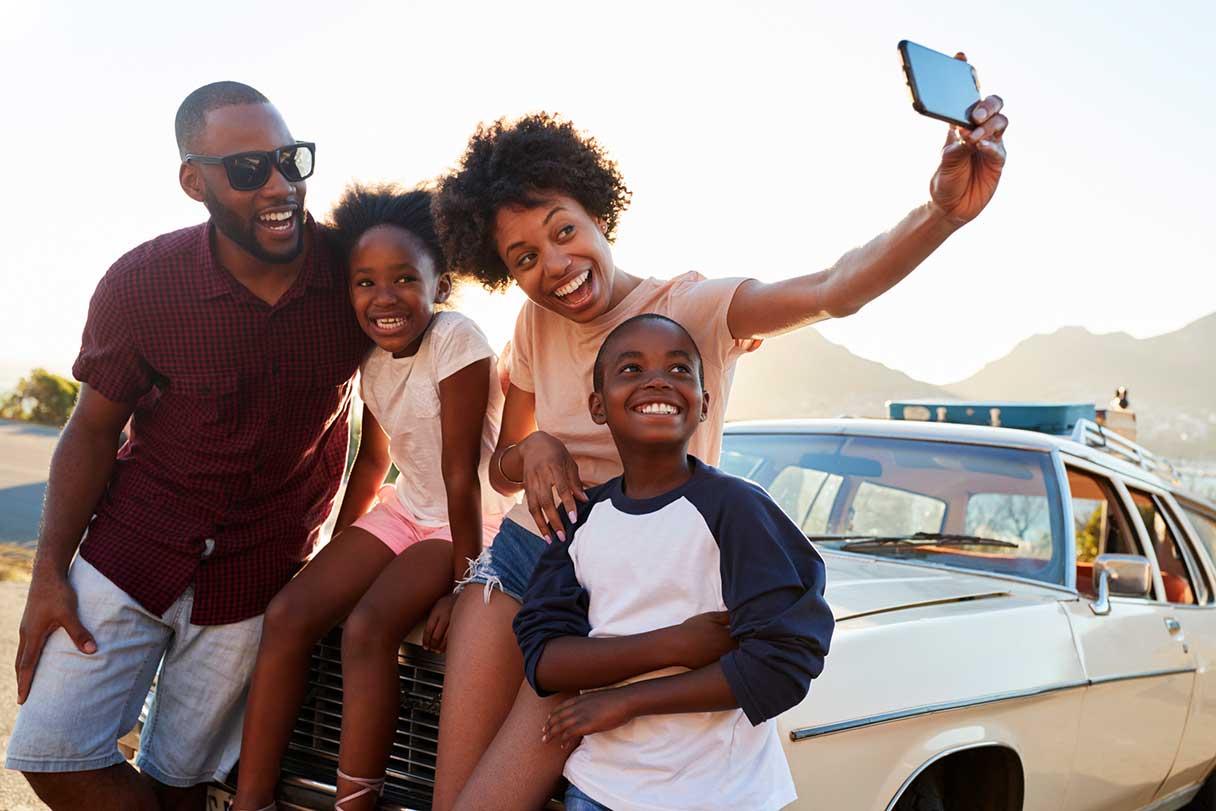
[(44, 398)]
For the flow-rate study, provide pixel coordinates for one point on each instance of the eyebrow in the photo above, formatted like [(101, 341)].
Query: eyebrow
[(399, 266), (545, 221)]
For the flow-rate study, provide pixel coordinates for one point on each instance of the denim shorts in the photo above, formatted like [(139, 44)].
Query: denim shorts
[(79, 704), (578, 801), (508, 563)]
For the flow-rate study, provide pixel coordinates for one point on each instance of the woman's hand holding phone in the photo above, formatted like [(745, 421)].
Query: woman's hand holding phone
[(971, 162)]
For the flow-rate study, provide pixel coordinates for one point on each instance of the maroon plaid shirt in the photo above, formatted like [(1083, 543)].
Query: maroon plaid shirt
[(238, 438)]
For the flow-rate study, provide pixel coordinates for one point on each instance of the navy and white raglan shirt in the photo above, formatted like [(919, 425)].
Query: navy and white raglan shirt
[(715, 543)]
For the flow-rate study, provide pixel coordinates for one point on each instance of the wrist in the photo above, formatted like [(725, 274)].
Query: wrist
[(942, 220)]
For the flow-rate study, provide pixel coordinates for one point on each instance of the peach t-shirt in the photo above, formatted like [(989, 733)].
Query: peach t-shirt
[(552, 357)]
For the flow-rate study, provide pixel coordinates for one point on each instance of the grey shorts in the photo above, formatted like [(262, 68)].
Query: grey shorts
[(80, 705)]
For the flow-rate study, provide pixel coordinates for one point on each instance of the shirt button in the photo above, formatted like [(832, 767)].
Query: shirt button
[(208, 547)]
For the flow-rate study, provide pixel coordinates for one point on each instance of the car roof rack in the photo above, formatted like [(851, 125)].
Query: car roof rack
[(1089, 433)]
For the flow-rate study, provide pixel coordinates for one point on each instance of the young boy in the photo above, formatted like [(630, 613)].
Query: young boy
[(669, 539)]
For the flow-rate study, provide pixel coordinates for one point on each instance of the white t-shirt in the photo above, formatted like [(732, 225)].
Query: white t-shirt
[(403, 395)]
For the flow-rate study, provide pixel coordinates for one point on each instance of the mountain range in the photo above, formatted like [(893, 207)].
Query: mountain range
[(1171, 381)]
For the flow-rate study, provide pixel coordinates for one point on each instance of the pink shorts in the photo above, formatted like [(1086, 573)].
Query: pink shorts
[(389, 521)]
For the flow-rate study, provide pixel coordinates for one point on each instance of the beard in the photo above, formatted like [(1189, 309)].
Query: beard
[(241, 232)]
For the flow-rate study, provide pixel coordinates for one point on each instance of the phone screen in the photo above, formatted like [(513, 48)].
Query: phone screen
[(942, 87)]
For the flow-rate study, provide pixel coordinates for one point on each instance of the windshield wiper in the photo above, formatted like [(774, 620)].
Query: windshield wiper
[(916, 539)]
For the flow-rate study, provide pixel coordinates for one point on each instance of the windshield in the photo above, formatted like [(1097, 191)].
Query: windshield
[(979, 507)]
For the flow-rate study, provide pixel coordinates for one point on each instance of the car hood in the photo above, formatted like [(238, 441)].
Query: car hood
[(859, 585)]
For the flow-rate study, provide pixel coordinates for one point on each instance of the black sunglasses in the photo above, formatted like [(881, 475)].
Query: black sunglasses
[(250, 170)]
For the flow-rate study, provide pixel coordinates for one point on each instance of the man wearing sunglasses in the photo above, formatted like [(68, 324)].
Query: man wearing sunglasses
[(226, 350)]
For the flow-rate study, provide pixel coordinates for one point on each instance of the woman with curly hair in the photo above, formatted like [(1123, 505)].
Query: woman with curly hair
[(537, 203)]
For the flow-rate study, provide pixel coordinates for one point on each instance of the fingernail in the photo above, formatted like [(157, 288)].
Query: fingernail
[(561, 536), (573, 516), (986, 144), (976, 134), (90, 647), (980, 114)]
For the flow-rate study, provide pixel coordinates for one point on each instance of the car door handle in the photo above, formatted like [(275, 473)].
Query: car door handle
[(1173, 626)]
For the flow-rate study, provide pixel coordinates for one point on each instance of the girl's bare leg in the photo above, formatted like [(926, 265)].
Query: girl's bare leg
[(311, 604), (398, 600), (484, 672)]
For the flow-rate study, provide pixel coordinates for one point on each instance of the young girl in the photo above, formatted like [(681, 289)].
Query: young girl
[(433, 404), (536, 202)]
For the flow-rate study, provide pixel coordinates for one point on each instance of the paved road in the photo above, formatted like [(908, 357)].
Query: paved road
[(15, 793), (25, 457)]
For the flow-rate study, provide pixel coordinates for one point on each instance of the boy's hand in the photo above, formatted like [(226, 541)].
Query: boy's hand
[(50, 605), (435, 637), (549, 467), (703, 639), (582, 715)]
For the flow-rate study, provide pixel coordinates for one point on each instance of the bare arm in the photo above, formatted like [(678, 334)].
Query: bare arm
[(366, 474), (965, 180), (80, 469), (572, 663), (701, 690), (463, 398)]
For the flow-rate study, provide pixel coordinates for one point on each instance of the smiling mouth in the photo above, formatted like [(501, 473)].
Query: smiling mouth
[(662, 409), (281, 221), (388, 324), (576, 292)]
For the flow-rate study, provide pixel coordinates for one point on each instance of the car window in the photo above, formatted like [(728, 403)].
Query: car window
[(880, 510), (1100, 525), (1180, 586), (1024, 520), (838, 487), (806, 496), (1205, 529)]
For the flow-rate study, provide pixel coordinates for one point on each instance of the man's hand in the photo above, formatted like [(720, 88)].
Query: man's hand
[(591, 712), (971, 162), (51, 604), (703, 639), (435, 637)]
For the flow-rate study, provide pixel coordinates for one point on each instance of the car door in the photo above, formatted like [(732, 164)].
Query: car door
[(1139, 667), (1186, 524)]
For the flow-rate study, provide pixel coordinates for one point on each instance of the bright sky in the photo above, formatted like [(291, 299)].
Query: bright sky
[(759, 138)]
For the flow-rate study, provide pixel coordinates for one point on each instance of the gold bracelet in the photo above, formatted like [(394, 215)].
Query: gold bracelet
[(502, 472)]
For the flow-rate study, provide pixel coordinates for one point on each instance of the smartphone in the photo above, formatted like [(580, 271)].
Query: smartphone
[(942, 87)]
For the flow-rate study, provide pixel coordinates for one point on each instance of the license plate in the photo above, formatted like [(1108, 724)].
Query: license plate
[(218, 799)]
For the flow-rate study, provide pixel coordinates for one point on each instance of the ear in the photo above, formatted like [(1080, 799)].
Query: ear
[(704, 406), (595, 404), (443, 288), (191, 181)]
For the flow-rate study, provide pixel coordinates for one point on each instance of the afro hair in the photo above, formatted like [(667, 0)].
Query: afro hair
[(512, 163), (363, 207)]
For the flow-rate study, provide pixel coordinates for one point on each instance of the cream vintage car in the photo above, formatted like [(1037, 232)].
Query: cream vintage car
[(1025, 621)]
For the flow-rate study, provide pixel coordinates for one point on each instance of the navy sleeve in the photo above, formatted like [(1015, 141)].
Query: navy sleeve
[(554, 605), (772, 584)]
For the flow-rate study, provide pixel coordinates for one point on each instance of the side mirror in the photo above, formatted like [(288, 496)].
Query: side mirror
[(1120, 576)]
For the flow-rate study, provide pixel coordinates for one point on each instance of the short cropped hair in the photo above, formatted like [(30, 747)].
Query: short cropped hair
[(363, 207), (192, 114), (511, 163), (597, 371)]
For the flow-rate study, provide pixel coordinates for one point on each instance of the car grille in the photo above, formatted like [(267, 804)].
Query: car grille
[(313, 749)]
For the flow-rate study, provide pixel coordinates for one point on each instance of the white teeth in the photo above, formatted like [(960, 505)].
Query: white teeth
[(657, 408), (276, 216), (570, 287), (388, 323)]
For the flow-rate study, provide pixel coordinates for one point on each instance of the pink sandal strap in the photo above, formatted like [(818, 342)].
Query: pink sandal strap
[(368, 785)]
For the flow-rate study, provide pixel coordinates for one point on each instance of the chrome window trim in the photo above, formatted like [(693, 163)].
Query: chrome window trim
[(806, 733)]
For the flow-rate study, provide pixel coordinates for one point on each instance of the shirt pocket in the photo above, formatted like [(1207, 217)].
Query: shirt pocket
[(205, 405)]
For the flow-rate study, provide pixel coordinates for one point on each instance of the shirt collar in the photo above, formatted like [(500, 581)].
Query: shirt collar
[(214, 281)]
